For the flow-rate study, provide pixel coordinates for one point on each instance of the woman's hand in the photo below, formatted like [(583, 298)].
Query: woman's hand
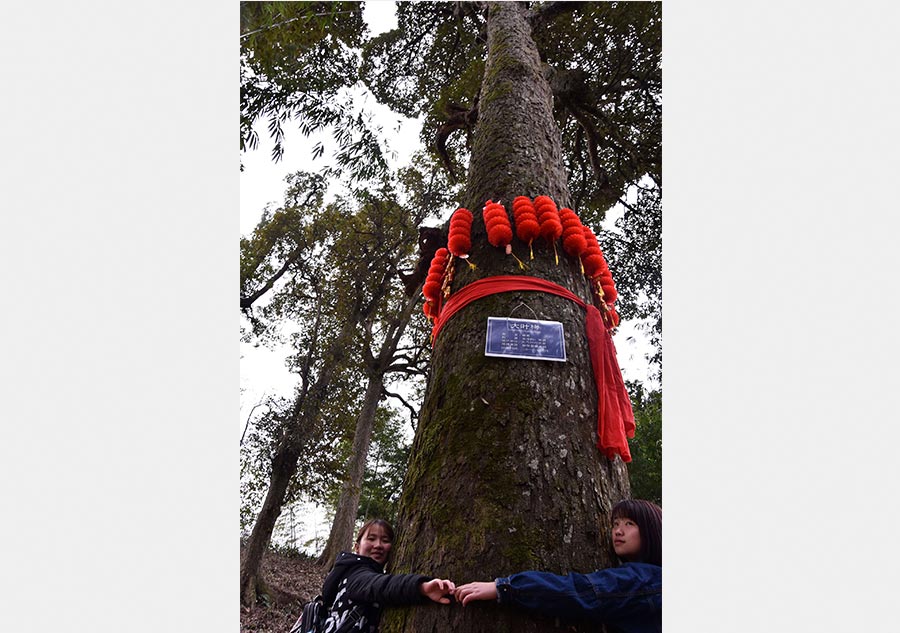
[(438, 590), (476, 591)]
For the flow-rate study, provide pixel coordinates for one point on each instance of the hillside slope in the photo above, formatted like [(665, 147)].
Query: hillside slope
[(293, 580)]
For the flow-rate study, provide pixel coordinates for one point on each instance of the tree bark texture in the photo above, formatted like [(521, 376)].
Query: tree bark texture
[(504, 474)]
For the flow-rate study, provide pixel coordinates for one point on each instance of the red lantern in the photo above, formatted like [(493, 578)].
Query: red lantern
[(459, 237), (527, 225), (591, 258), (548, 218), (573, 233), (597, 270), (499, 229), (434, 282)]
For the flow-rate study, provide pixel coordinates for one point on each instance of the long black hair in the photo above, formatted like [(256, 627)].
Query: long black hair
[(648, 517)]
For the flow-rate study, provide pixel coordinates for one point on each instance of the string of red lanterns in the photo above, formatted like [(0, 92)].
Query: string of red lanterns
[(540, 218)]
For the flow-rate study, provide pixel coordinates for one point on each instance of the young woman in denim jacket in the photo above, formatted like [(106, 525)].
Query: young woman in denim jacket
[(358, 589), (627, 598)]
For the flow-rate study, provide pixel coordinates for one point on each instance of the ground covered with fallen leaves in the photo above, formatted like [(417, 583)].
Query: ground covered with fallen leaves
[(293, 580)]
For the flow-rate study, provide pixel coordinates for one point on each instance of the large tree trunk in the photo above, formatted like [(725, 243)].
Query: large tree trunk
[(504, 473), (341, 536)]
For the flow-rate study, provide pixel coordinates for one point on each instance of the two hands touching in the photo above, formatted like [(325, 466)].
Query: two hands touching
[(440, 591), (476, 591)]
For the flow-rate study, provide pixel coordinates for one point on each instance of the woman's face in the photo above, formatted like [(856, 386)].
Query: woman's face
[(375, 543), (626, 539)]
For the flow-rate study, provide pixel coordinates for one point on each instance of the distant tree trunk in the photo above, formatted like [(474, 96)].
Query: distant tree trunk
[(341, 536), (504, 473), (284, 465)]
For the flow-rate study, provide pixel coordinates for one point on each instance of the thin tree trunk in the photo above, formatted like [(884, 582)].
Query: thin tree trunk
[(341, 536), (504, 473), (284, 464)]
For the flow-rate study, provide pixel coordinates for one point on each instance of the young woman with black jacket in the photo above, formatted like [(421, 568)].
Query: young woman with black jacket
[(358, 589)]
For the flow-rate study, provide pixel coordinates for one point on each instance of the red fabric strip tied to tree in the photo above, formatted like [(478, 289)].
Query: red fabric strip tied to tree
[(615, 418)]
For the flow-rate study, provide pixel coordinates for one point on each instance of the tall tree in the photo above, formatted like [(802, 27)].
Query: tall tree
[(390, 227), (343, 261), (299, 63), (377, 366), (504, 473), (560, 87), (300, 428)]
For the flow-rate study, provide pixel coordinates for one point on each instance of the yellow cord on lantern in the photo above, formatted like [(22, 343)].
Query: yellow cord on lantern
[(530, 249), (521, 264), (555, 254), (599, 292)]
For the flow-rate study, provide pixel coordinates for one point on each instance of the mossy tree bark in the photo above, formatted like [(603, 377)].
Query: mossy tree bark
[(504, 474)]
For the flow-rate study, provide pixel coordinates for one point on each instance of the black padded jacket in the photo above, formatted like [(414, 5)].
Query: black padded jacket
[(357, 587)]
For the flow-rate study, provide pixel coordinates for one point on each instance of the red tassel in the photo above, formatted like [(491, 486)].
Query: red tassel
[(615, 417)]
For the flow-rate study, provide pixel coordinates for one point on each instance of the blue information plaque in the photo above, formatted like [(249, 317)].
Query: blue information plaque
[(525, 338)]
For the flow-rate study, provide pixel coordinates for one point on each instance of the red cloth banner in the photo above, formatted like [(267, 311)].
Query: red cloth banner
[(615, 418)]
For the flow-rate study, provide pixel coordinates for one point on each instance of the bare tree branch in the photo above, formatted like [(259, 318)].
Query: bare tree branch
[(247, 425), (246, 302), (458, 118), (413, 412), (593, 140)]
